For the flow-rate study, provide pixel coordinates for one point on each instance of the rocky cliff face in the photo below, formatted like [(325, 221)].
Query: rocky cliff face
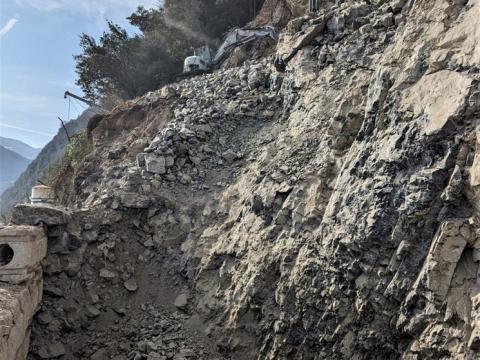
[(326, 212)]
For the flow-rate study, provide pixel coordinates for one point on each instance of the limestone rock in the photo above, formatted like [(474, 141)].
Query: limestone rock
[(134, 200), (440, 96), (38, 215), (155, 164), (131, 285), (181, 301), (107, 274), (168, 92)]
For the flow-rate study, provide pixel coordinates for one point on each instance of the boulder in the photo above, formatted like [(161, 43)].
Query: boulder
[(39, 215), (168, 92), (155, 164), (135, 201)]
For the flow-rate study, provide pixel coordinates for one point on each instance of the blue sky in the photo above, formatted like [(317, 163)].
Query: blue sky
[(38, 39)]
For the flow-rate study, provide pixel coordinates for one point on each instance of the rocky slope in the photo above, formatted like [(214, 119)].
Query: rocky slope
[(326, 212)]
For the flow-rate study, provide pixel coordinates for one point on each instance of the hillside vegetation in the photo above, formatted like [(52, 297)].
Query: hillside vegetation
[(128, 66)]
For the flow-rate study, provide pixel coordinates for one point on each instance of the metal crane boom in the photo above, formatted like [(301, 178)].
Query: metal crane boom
[(89, 103)]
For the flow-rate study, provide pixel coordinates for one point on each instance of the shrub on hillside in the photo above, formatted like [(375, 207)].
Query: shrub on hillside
[(77, 149)]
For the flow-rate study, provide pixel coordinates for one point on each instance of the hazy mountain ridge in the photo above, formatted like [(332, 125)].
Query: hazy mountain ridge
[(12, 165), (21, 148)]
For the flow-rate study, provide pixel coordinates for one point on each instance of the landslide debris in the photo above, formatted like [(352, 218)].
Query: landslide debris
[(327, 212)]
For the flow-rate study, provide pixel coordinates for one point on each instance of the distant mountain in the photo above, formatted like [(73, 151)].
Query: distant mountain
[(50, 154), (11, 166), (19, 147)]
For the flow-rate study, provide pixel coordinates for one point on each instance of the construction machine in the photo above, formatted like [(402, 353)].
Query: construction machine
[(202, 61)]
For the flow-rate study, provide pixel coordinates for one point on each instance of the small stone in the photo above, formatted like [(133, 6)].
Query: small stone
[(230, 156), (115, 204), (131, 285), (53, 291), (185, 179), (195, 160), (135, 201), (90, 236), (169, 161), (120, 311), (44, 318), (92, 311), (52, 351), (168, 92), (140, 160), (181, 301), (170, 177), (148, 243), (101, 354), (107, 274), (94, 298), (155, 356)]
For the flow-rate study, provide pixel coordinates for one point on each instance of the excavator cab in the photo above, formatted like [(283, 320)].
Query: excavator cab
[(199, 62)]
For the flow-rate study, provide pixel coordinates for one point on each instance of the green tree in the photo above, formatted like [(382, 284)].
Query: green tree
[(127, 66)]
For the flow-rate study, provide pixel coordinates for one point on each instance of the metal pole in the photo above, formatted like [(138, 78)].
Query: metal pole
[(65, 129)]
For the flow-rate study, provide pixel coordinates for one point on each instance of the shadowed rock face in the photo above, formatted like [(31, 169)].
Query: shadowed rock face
[(327, 212)]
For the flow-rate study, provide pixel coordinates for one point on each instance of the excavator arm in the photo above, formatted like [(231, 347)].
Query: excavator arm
[(239, 37)]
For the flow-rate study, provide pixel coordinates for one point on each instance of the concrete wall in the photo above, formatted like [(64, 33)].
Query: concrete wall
[(20, 288)]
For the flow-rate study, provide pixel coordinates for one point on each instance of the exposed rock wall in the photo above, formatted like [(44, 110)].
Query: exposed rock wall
[(327, 212)]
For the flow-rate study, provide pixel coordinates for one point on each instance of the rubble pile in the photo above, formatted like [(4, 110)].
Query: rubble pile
[(106, 295), (326, 210), (199, 139)]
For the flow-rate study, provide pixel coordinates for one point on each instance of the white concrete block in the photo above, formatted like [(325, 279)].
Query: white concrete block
[(22, 248)]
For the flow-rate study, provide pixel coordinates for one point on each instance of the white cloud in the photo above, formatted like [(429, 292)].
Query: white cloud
[(90, 8), (24, 103), (31, 131), (23, 99), (8, 26)]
